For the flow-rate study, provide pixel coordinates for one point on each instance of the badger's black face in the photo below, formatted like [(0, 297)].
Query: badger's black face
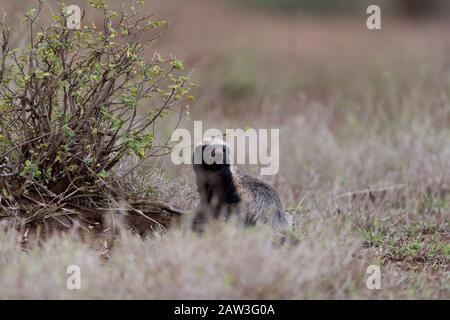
[(212, 157), (212, 166)]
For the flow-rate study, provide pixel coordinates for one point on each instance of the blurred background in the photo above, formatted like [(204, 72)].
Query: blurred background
[(250, 52), (248, 55)]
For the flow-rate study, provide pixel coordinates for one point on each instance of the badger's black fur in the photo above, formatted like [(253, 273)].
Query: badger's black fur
[(224, 190)]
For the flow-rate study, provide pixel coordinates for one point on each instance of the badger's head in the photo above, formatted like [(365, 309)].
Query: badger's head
[(212, 154), (215, 173)]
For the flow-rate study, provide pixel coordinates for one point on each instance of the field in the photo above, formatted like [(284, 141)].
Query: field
[(364, 119)]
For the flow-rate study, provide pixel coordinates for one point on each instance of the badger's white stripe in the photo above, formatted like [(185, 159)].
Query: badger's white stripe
[(212, 140), (218, 142)]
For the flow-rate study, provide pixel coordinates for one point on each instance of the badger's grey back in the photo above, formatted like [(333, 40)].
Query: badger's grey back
[(261, 202)]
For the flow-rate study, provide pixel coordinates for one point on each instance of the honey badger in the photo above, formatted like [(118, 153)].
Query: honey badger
[(225, 189)]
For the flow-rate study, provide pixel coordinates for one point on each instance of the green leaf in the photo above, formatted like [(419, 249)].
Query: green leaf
[(103, 174), (177, 64)]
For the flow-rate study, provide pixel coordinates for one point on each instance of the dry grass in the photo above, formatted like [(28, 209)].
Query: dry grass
[(326, 261), (226, 263), (364, 120)]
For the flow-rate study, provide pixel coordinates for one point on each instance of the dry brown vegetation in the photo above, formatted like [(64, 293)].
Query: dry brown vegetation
[(364, 120)]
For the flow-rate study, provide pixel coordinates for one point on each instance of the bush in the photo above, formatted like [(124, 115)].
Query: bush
[(74, 103)]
